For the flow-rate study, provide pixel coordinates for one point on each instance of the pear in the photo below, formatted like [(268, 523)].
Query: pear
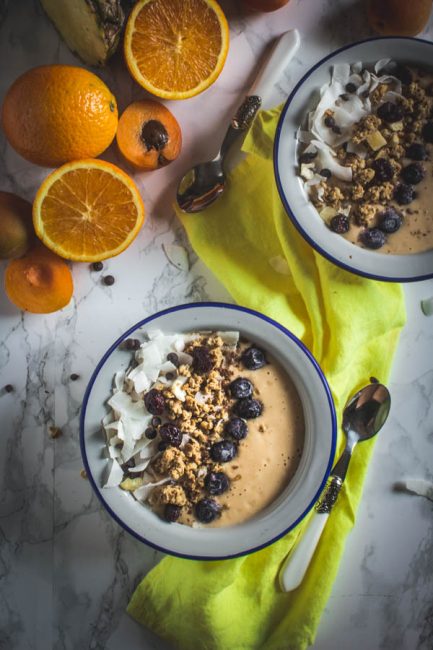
[(16, 230)]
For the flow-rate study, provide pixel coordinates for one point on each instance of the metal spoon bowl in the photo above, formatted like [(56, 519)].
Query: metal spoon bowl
[(363, 417)]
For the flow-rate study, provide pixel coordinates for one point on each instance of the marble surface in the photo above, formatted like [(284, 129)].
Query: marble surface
[(66, 570)]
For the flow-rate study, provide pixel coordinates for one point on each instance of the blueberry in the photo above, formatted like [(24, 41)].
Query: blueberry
[(389, 112), (172, 512), (223, 451), (372, 238), (154, 402), (216, 483), (329, 121), (404, 194), (248, 408), (170, 434), (416, 151), (206, 510), (383, 170), (413, 173), (350, 87), (202, 361), (150, 433), (340, 224), (156, 421), (241, 387), (326, 173), (389, 221), (427, 132), (253, 358), (236, 428)]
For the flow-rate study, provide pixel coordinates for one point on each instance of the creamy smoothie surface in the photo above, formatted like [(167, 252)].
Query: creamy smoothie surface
[(217, 433), (366, 156)]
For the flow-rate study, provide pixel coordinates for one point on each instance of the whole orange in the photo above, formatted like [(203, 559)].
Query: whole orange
[(53, 114)]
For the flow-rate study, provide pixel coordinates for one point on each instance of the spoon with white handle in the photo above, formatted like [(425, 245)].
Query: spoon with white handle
[(363, 417), (205, 182)]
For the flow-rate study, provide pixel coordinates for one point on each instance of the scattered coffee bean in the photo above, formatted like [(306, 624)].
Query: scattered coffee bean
[(9, 388), (109, 280), (74, 376), (97, 266), (83, 473)]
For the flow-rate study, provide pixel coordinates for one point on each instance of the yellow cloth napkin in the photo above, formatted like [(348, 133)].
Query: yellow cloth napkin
[(352, 327)]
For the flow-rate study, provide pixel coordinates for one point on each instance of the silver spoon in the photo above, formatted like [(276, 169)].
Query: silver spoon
[(363, 417), (205, 182)]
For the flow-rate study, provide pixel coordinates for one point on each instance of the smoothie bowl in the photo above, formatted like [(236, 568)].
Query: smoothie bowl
[(353, 158), (208, 431)]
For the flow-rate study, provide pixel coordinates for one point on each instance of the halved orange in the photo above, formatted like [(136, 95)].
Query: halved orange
[(176, 49), (88, 210)]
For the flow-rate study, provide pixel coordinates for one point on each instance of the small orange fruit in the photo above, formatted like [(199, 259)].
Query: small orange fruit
[(88, 210), (53, 114), (398, 17), (148, 135), (176, 48), (39, 282)]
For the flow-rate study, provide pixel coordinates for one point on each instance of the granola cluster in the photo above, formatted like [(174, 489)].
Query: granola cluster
[(198, 425), (385, 152)]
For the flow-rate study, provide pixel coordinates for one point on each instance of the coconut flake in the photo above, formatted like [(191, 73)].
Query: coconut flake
[(229, 338), (176, 387), (115, 475), (279, 264), (177, 255), (328, 160)]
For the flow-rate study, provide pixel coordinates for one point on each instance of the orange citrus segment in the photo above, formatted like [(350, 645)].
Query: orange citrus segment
[(176, 48), (87, 211)]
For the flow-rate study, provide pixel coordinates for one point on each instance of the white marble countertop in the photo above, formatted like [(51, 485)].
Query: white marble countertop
[(66, 570)]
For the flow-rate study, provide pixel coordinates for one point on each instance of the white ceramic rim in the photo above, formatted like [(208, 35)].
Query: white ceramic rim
[(370, 264), (299, 496)]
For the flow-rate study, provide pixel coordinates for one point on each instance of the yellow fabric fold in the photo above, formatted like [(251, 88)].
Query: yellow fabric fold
[(352, 326)]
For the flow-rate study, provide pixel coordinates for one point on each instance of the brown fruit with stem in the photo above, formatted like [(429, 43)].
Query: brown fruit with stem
[(398, 17), (148, 135)]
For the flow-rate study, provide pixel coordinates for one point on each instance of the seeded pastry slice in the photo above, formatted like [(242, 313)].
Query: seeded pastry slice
[(90, 28)]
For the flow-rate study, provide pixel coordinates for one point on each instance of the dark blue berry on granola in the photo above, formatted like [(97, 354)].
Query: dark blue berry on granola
[(413, 173), (206, 510), (154, 402), (248, 408), (236, 428), (416, 151), (383, 170), (339, 224), (202, 361), (241, 387), (216, 483), (253, 358), (404, 194), (389, 112), (372, 238), (170, 434), (389, 220), (172, 512), (223, 451)]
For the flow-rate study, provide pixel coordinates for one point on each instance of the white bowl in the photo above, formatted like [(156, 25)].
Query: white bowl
[(372, 264), (299, 496)]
